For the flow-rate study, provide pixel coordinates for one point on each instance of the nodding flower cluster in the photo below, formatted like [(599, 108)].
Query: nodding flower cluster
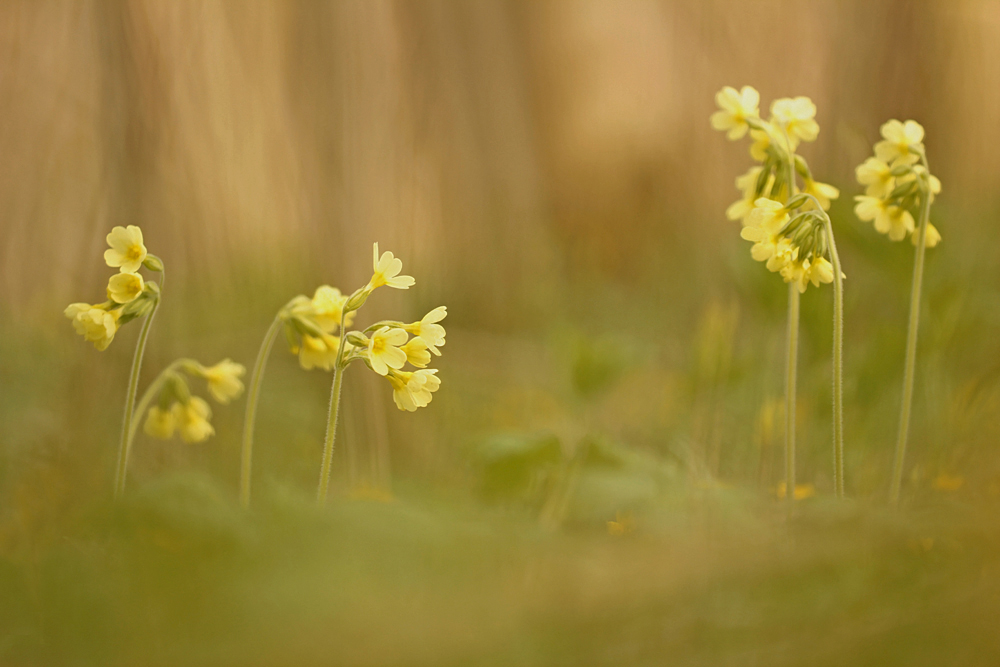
[(385, 347), (897, 183), (129, 296), (177, 410), (785, 223)]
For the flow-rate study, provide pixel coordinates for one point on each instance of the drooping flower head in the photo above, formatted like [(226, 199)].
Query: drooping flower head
[(160, 423), (318, 351), (96, 323), (125, 287), (223, 379), (327, 307), (127, 250), (193, 419)]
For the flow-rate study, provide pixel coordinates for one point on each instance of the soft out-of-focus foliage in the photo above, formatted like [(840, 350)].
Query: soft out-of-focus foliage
[(548, 170)]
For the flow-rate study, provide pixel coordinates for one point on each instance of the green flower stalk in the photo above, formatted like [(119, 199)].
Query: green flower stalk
[(791, 233), (899, 181)]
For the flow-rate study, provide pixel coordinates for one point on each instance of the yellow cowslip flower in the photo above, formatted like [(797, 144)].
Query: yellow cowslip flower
[(160, 423), (127, 250), (823, 192), (316, 352), (933, 183), (797, 116), (192, 419), (387, 268), (413, 390), (125, 287), (223, 379), (734, 109), (889, 219), (877, 176), (768, 214), (384, 349), (747, 184), (761, 142), (326, 308), (932, 238), (417, 353), (819, 271), (901, 142), (96, 324), (774, 249), (429, 330)]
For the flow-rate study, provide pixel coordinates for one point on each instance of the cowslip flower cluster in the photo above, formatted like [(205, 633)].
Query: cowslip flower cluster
[(129, 295), (897, 182), (178, 411), (785, 223)]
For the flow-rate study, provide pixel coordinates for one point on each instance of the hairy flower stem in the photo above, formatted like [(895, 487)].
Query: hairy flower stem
[(791, 368), (133, 388), (250, 419), (911, 346), (838, 363), (332, 416)]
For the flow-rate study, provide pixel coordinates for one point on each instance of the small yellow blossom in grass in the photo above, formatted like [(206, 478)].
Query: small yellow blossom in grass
[(877, 176), (429, 330), (889, 219), (823, 192), (327, 306), (192, 419), (768, 214), (387, 268), (127, 250), (417, 353), (622, 525), (734, 110), (318, 352), (224, 379), (160, 423), (384, 349), (797, 116), (125, 287), (413, 390), (946, 482), (802, 491), (901, 142), (932, 238), (95, 323)]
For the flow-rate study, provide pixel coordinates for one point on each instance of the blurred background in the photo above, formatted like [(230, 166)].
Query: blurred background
[(545, 169)]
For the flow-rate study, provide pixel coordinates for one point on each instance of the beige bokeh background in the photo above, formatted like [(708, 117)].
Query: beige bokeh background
[(490, 143)]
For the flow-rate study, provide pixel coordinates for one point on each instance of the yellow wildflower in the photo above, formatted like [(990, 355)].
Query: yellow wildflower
[(797, 273), (889, 219), (768, 214), (823, 192), (417, 353), (819, 271), (384, 349), (327, 306), (160, 423), (124, 287), (761, 141), (774, 249), (901, 142), (735, 107), (387, 268), (797, 116), (413, 390), (96, 324), (932, 238), (127, 250), (224, 379), (747, 184), (318, 352), (192, 419), (429, 330), (877, 175)]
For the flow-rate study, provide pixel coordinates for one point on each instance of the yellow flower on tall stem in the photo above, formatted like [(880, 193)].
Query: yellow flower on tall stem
[(125, 287), (429, 330), (223, 379), (902, 142), (384, 349), (127, 250), (386, 271), (96, 324), (734, 110), (193, 420)]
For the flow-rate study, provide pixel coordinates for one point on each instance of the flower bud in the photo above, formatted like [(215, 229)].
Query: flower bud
[(356, 339), (153, 263), (357, 300), (903, 189), (796, 201), (900, 170)]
